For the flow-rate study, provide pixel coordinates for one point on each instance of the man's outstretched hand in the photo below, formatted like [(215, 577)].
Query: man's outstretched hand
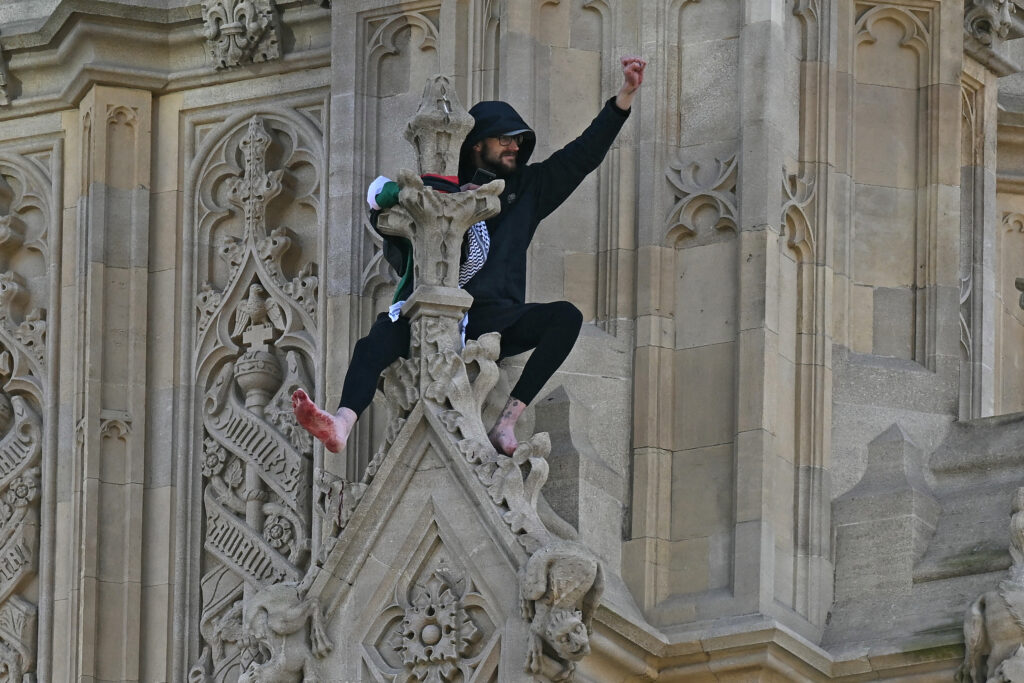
[(632, 77)]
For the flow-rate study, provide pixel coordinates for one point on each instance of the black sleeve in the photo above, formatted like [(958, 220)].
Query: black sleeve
[(563, 171)]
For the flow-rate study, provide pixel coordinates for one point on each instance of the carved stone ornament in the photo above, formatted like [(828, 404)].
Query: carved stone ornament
[(798, 192), (436, 633), (440, 125), (994, 623), (561, 587), (706, 192), (255, 344), (240, 31), (988, 20), (275, 620), (25, 215)]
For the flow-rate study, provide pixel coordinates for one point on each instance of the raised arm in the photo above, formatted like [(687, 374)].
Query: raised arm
[(563, 171)]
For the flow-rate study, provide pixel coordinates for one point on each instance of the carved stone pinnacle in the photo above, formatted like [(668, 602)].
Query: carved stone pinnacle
[(438, 128)]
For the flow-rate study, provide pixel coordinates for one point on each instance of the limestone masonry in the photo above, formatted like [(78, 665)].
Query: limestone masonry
[(788, 445)]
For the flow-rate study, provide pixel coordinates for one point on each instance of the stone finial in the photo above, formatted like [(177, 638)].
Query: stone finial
[(438, 128)]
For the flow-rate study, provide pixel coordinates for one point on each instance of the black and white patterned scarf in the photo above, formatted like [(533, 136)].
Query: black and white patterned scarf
[(479, 242)]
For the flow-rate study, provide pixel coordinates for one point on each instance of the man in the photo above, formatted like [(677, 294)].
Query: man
[(501, 143)]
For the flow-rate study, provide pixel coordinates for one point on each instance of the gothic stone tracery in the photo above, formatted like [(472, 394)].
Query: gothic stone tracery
[(256, 343)]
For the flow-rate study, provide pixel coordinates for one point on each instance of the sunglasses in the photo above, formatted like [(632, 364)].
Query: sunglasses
[(506, 140)]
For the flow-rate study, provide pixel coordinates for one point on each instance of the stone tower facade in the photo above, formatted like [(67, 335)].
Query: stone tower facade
[(786, 446)]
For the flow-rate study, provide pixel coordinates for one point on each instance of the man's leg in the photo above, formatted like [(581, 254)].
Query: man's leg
[(386, 342), (551, 331)]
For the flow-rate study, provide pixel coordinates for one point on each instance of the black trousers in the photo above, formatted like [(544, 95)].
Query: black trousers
[(549, 329)]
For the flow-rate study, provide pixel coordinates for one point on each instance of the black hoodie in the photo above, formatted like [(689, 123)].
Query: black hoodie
[(531, 193)]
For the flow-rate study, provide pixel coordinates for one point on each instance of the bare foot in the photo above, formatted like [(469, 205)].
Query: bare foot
[(333, 430), (502, 435), (503, 440)]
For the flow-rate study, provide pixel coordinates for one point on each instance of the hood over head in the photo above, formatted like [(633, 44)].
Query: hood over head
[(494, 118)]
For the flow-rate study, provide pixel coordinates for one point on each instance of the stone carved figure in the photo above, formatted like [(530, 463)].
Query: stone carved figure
[(275, 620), (987, 20), (561, 587), (994, 623)]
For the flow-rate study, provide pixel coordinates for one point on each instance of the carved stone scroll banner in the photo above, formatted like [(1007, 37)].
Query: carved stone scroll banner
[(256, 343), (240, 31)]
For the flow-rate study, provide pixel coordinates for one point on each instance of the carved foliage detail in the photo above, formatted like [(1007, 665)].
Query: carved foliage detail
[(255, 344), (240, 31), (25, 216), (706, 196)]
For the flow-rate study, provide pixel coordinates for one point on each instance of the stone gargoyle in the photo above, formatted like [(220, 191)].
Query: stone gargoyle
[(275, 618), (561, 586), (994, 623)]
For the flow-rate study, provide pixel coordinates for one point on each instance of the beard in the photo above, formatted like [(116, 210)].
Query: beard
[(501, 163)]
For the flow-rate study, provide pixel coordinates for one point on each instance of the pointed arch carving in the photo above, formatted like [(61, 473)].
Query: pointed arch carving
[(915, 33), (386, 30), (254, 213), (28, 221)]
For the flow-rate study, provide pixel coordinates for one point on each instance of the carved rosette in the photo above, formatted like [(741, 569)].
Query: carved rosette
[(256, 342), (440, 626), (436, 633), (240, 31)]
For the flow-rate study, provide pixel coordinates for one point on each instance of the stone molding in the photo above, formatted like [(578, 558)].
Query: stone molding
[(162, 52)]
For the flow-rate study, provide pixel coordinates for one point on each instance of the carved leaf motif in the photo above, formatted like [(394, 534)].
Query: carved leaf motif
[(240, 31)]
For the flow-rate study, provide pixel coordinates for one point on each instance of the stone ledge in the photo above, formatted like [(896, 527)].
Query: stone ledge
[(624, 648)]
